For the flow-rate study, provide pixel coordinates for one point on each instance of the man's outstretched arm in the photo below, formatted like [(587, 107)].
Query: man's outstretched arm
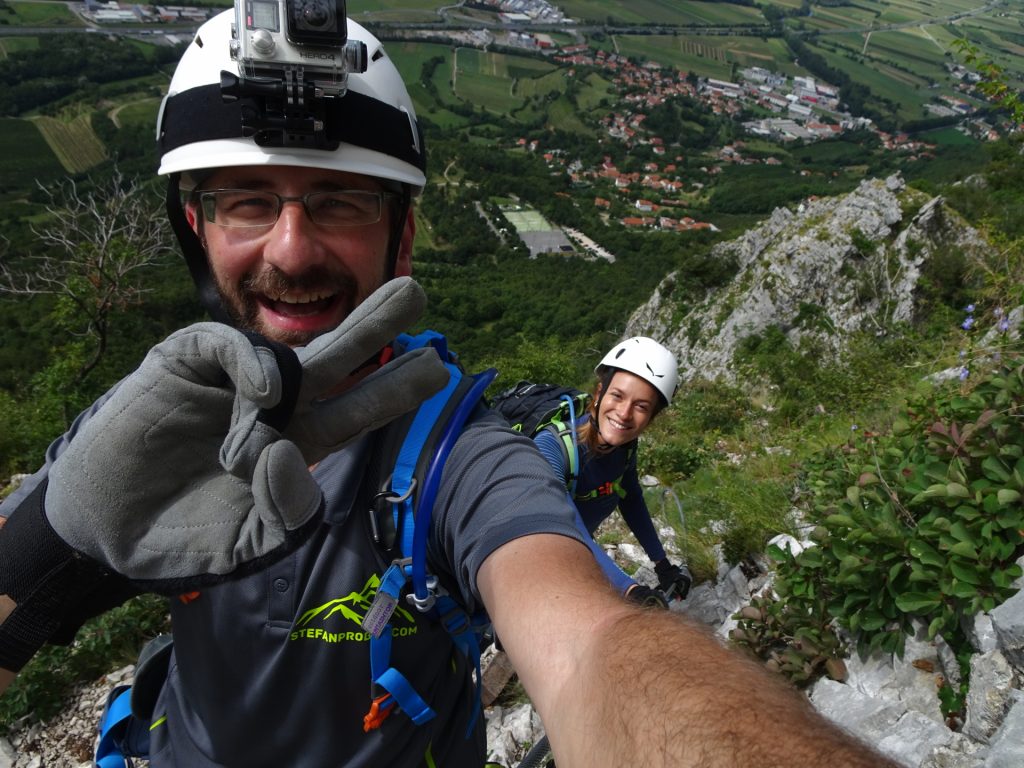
[(619, 685)]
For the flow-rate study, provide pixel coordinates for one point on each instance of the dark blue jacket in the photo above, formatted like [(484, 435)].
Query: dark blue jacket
[(607, 481)]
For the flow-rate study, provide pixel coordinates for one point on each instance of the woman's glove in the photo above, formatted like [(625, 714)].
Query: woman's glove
[(646, 597), (673, 580)]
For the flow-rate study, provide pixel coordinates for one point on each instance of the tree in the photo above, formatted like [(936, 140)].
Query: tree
[(993, 80), (96, 243)]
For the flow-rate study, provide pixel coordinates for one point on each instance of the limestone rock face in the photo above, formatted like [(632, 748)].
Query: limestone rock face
[(832, 267)]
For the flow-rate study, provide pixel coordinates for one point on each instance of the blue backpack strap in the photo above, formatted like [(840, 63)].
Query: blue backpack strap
[(412, 511), (112, 726)]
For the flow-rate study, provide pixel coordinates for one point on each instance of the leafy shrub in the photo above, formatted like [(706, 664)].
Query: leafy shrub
[(675, 458), (922, 525), (686, 436)]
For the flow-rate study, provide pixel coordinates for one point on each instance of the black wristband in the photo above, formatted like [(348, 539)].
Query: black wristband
[(291, 378), (51, 584)]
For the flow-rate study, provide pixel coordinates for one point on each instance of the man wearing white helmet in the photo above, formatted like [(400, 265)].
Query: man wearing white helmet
[(636, 379), (234, 470)]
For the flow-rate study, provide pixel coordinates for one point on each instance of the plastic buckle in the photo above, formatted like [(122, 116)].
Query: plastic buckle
[(434, 589), (379, 710)]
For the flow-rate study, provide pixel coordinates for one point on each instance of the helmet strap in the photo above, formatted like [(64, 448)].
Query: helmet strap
[(605, 380), (194, 253), (397, 230)]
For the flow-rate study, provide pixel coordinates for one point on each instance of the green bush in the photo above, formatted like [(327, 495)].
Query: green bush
[(920, 525)]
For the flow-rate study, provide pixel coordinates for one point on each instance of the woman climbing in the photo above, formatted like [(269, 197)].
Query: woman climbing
[(635, 381)]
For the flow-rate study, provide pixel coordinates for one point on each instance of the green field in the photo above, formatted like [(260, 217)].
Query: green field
[(911, 49), (1000, 38), (948, 137), (410, 59), (676, 12), (905, 88), (915, 56), (41, 15), (563, 115), (9, 45), (24, 155), (393, 10), (539, 86), (710, 56), (595, 89), (683, 53), (141, 112), (501, 82), (845, 17), (786, 5)]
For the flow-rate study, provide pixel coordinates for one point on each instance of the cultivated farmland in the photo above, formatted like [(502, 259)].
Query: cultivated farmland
[(73, 142), (671, 12)]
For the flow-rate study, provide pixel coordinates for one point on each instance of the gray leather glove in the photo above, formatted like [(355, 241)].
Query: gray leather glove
[(197, 466)]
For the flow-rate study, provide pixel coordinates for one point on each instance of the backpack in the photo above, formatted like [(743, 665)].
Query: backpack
[(416, 460), (531, 407)]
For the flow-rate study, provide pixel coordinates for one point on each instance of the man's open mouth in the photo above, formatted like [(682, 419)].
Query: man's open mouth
[(299, 304)]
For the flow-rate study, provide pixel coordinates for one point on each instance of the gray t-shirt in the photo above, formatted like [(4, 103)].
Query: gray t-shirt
[(274, 668)]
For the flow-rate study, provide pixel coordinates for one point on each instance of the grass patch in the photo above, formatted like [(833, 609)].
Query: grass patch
[(949, 137), (10, 45)]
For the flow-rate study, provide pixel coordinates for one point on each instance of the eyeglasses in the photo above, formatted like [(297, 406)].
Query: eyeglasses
[(251, 208)]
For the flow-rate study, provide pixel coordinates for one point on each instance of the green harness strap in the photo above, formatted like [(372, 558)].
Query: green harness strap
[(609, 487)]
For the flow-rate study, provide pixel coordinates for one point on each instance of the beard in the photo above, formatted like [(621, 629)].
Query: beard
[(243, 300)]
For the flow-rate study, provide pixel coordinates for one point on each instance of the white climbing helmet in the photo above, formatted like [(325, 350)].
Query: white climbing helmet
[(372, 128), (647, 359)]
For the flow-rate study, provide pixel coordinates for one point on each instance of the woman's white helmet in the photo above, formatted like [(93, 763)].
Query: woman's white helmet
[(647, 359), (373, 126)]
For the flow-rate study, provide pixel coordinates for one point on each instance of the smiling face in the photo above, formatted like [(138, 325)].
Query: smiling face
[(626, 409), (294, 280)]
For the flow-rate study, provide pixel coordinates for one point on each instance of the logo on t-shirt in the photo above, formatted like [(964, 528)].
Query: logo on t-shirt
[(341, 620)]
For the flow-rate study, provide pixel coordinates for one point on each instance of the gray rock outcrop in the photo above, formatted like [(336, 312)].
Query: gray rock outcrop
[(831, 267)]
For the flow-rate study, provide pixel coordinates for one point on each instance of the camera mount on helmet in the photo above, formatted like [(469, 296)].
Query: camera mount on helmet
[(293, 56)]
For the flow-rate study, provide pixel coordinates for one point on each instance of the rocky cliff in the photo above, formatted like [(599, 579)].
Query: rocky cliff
[(822, 271)]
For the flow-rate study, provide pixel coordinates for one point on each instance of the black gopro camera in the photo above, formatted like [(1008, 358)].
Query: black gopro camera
[(317, 22)]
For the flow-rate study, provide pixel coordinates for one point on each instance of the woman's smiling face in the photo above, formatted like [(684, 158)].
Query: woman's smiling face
[(627, 407)]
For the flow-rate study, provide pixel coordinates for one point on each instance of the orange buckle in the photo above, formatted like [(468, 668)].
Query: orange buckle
[(188, 597), (379, 710)]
